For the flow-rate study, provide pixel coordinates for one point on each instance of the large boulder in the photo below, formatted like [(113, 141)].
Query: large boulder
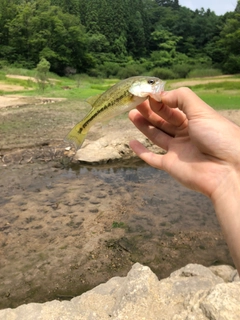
[(111, 142), (193, 292)]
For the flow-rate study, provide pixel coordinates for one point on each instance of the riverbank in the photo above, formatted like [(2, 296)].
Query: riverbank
[(192, 292)]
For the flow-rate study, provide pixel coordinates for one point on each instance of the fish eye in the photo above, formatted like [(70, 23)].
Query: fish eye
[(151, 81)]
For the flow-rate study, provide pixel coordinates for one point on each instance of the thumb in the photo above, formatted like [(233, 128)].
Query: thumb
[(154, 160)]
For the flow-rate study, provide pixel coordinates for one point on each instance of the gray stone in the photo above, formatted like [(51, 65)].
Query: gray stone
[(225, 272), (190, 293), (234, 276), (112, 143), (222, 302)]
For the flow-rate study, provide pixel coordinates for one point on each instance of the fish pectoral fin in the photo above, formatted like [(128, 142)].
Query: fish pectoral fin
[(76, 137), (92, 99)]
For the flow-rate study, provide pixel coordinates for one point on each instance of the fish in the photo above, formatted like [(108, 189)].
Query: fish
[(120, 98)]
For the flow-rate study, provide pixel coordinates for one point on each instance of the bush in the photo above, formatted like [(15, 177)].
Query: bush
[(109, 69), (94, 72), (3, 63), (232, 65), (181, 70), (130, 71), (199, 73), (42, 73), (163, 73)]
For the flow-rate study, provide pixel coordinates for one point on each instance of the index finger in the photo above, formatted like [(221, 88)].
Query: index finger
[(187, 101), (160, 114)]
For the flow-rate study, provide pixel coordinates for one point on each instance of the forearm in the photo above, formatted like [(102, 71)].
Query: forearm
[(226, 202)]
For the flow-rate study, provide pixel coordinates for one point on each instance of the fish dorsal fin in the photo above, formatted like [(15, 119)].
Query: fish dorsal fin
[(93, 99)]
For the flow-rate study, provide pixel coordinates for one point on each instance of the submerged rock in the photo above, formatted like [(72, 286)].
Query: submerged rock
[(193, 292)]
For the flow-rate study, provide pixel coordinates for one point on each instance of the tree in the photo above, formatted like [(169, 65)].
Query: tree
[(230, 35), (68, 6), (40, 30), (237, 9), (8, 10), (42, 73), (167, 43), (168, 3), (230, 43)]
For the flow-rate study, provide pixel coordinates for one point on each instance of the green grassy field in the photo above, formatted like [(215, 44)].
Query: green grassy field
[(219, 92), (33, 123), (221, 101)]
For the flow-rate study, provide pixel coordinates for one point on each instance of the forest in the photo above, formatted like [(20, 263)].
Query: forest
[(107, 38)]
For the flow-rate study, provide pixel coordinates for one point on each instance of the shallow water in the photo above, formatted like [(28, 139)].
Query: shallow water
[(65, 230), (159, 201)]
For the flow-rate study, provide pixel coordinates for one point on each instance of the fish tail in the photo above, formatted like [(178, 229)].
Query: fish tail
[(77, 135)]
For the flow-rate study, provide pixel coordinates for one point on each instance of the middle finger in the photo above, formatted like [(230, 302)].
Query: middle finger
[(169, 123)]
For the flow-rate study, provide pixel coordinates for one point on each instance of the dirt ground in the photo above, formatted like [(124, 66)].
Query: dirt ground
[(66, 227)]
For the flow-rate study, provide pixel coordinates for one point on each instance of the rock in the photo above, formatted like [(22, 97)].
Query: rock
[(224, 272), (222, 302), (234, 276), (190, 293), (112, 143)]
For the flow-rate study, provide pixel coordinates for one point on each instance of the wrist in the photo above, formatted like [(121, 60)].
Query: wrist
[(226, 201), (228, 188)]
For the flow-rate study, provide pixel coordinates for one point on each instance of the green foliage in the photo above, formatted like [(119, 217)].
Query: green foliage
[(198, 73), (40, 30), (223, 85), (130, 70), (163, 73), (42, 73), (109, 69), (232, 64), (116, 224), (181, 70), (229, 43), (98, 36)]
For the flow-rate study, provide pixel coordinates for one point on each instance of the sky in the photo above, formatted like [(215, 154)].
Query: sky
[(218, 6)]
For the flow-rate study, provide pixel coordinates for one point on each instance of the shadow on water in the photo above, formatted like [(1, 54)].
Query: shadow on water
[(66, 230)]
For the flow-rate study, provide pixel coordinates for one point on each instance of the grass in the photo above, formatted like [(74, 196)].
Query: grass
[(221, 101), (224, 85), (120, 224), (33, 124), (62, 88), (221, 93), (196, 73)]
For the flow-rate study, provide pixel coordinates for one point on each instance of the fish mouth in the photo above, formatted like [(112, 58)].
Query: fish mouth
[(159, 87), (157, 90)]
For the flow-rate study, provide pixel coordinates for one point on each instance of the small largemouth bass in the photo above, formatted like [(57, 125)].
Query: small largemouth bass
[(122, 97)]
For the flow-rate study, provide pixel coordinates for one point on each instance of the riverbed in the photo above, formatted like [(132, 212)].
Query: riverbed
[(65, 229)]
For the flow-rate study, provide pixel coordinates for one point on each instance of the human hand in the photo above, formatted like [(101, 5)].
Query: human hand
[(203, 153), (202, 146)]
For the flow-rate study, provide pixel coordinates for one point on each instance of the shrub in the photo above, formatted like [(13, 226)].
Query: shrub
[(3, 63), (42, 73), (163, 73), (95, 72), (130, 71), (205, 72), (109, 69), (232, 65), (181, 70)]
